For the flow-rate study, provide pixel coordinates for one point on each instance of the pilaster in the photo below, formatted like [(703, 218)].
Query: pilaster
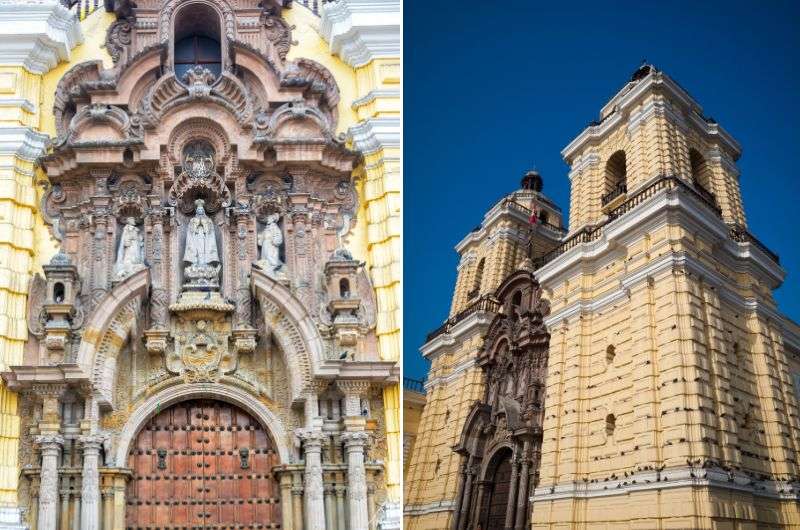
[(90, 482), (50, 447), (313, 489), (34, 38)]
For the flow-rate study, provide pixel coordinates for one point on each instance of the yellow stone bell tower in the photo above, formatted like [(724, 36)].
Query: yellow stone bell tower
[(488, 254), (672, 378)]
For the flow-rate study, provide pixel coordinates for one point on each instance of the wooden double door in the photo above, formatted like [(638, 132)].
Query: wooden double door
[(202, 464), (498, 494)]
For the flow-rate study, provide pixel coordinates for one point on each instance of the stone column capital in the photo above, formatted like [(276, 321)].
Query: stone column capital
[(312, 439), (92, 442), (49, 442), (355, 440), (357, 387)]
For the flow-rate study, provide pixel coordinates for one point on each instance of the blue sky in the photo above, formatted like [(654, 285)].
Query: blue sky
[(492, 89)]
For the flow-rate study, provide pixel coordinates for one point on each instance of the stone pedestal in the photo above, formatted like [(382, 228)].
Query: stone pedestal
[(356, 480), (50, 446)]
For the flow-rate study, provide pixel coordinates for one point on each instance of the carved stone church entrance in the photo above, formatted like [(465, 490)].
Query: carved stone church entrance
[(202, 464)]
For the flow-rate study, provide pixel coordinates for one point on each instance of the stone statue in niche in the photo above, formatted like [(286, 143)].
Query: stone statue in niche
[(130, 253), (270, 239), (201, 256)]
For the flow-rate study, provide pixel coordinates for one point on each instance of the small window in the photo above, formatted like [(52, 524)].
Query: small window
[(196, 50), (611, 425), (516, 300), (58, 293), (611, 352), (543, 217), (344, 288)]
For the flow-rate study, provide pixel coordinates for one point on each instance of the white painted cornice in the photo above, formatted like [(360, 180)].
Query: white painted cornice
[(373, 134), (22, 142), (433, 507), (476, 322), (666, 207), (631, 95), (37, 35), (677, 477), (359, 31)]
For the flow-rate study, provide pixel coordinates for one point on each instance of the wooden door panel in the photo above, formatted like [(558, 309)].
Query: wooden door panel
[(200, 479)]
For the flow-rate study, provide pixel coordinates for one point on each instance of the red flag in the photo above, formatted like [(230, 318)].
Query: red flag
[(534, 219)]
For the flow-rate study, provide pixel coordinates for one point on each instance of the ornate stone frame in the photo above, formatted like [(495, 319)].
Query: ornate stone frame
[(169, 396)]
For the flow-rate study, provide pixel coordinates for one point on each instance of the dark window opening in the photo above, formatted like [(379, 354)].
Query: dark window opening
[(344, 288), (197, 50)]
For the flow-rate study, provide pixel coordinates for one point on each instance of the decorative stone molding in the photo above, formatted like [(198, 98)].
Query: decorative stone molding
[(23, 142), (359, 31), (222, 392), (375, 133), (37, 35)]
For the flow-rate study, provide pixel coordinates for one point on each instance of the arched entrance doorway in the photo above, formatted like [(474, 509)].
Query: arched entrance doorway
[(499, 475), (202, 464)]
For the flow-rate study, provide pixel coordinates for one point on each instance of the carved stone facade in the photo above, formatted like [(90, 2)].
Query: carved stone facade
[(504, 428), (202, 208)]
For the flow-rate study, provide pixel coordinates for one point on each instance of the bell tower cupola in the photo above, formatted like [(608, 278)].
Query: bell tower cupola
[(651, 129)]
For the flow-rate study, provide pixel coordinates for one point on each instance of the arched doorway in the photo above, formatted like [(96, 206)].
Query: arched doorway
[(202, 464), (499, 476)]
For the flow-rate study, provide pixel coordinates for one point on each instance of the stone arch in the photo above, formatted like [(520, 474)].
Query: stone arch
[(198, 128), (293, 328), (493, 452), (235, 396), (107, 330)]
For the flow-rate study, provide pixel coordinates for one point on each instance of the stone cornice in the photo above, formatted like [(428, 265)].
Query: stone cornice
[(374, 134), (677, 477), (359, 31), (631, 95), (668, 207), (22, 142), (433, 507), (37, 36), (476, 322)]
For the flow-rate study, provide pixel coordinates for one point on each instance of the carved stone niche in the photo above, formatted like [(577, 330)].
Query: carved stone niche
[(59, 307), (341, 273)]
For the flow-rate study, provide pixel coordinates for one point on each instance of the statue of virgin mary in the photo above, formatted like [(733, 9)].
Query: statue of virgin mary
[(201, 240)]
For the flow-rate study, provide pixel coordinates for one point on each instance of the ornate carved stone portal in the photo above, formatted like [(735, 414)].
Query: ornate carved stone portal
[(186, 337), (501, 441)]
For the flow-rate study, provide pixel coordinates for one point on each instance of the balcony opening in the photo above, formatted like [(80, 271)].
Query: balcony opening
[(197, 40), (616, 177)]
